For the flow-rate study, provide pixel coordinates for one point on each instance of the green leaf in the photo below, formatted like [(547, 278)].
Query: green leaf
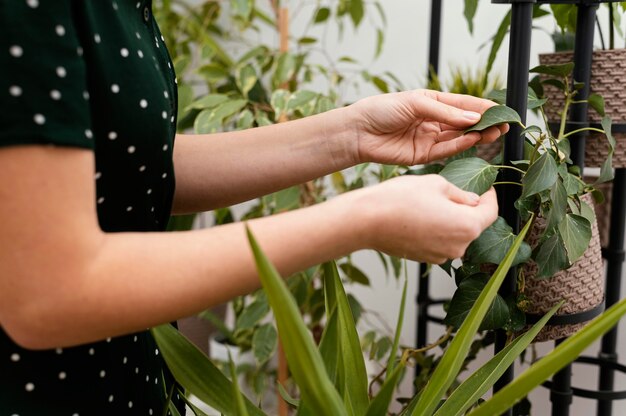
[(245, 120), (551, 257), (240, 405), (253, 313), (302, 355), (575, 231), (555, 83), (242, 8), (464, 298), (606, 171), (494, 116), (472, 389), (211, 119), (493, 244), (559, 357), (558, 70), (196, 373), (356, 12), (531, 129), (472, 174), (285, 69), (499, 96), (306, 40), (597, 103), (279, 101), (380, 404), (246, 78), (469, 11), (558, 197), (396, 339), (354, 391), (452, 361), (300, 98), (540, 176), (322, 15), (264, 343), (563, 15), (426, 170), (355, 274), (295, 403), (497, 42), (467, 153), (380, 38)]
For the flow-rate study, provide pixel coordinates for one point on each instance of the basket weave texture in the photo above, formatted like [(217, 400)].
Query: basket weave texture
[(608, 78), (581, 286)]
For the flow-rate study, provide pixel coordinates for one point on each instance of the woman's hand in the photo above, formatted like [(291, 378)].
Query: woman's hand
[(419, 126), (423, 218)]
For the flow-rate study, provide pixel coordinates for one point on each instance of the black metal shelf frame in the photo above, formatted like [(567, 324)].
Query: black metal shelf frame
[(561, 391)]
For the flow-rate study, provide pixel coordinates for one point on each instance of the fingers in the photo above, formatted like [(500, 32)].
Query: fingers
[(433, 109), (487, 208), (462, 197), (452, 145), (465, 102)]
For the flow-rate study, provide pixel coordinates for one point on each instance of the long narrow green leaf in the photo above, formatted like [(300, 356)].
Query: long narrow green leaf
[(195, 372), (396, 340), (239, 401), (304, 359), (380, 404), (330, 351), (355, 376), (558, 358), (464, 396), (452, 360)]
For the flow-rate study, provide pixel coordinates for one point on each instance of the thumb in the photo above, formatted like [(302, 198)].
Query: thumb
[(460, 196), (447, 114)]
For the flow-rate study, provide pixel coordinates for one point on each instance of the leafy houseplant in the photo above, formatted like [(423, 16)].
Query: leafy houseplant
[(551, 189)]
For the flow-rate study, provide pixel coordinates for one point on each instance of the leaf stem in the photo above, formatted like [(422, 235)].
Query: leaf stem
[(509, 167), (507, 183), (583, 129)]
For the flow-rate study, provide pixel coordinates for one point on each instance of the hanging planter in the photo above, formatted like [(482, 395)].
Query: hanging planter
[(608, 79), (581, 286)]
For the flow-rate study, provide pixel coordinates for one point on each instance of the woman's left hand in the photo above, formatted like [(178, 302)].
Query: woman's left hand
[(419, 126)]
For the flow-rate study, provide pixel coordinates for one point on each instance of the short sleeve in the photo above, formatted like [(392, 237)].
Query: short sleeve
[(43, 82)]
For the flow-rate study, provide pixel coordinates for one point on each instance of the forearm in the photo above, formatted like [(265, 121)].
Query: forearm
[(223, 169), (139, 280)]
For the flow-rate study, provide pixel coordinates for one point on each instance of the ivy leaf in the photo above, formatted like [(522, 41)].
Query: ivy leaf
[(540, 176), (531, 129), (558, 196), (496, 115), (551, 257), (300, 98), (559, 70), (208, 101), (464, 298), (597, 103), (575, 230), (472, 174), (533, 102), (264, 342), (492, 245), (279, 101), (555, 83), (587, 212), (606, 171), (246, 79)]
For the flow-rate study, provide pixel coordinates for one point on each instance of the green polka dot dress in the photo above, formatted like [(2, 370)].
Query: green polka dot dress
[(92, 74)]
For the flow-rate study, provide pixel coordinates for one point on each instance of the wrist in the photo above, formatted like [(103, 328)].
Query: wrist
[(341, 138), (358, 219)]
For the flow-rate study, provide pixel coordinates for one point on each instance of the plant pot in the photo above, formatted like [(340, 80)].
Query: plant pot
[(608, 78), (581, 286)]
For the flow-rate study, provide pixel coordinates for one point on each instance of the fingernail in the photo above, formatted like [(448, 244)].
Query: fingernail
[(470, 115), (474, 197)]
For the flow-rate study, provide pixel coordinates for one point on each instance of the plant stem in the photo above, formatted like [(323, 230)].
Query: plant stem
[(509, 167), (410, 352), (507, 183), (568, 100), (583, 129)]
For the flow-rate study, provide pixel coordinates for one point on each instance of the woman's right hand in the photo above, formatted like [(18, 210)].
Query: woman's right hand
[(422, 218)]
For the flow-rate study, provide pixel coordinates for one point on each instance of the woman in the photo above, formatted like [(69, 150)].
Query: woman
[(87, 167)]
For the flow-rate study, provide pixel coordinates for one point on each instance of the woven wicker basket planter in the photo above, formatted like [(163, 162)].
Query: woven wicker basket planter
[(581, 286), (608, 78)]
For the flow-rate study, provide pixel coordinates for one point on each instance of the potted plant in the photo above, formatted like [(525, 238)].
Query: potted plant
[(564, 235)]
